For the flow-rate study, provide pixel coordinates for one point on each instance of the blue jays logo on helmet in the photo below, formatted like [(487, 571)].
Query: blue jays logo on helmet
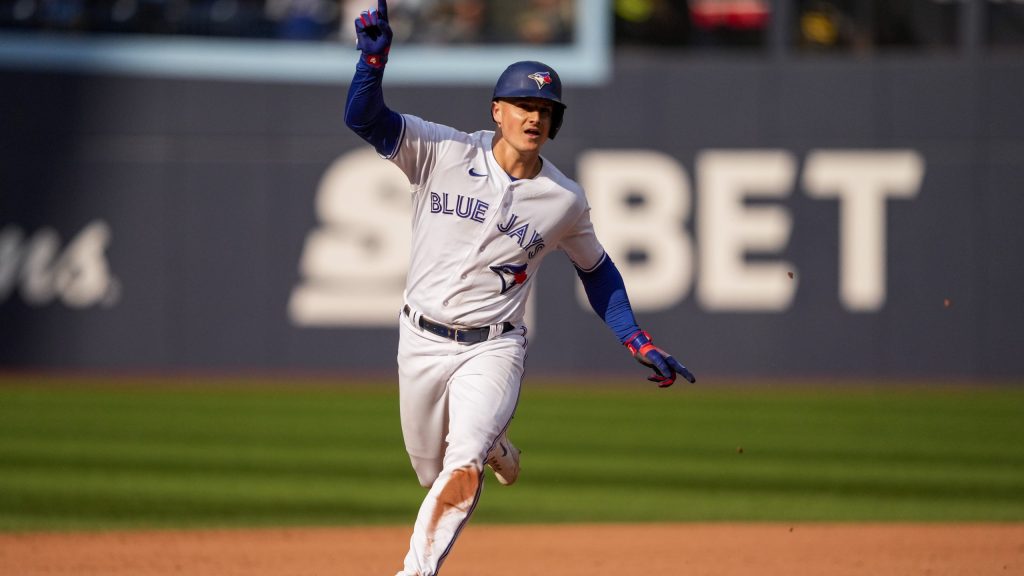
[(511, 275), (541, 78)]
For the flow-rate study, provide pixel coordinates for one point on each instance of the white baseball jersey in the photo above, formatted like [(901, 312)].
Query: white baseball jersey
[(478, 237)]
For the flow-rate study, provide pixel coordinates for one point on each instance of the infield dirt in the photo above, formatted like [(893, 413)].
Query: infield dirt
[(552, 550)]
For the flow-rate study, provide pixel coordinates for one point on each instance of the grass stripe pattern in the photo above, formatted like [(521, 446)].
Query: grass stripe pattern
[(94, 457)]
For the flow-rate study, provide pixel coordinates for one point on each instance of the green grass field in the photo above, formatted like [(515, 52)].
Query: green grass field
[(86, 456)]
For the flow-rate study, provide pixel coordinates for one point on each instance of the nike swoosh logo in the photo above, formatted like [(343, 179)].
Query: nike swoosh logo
[(473, 172)]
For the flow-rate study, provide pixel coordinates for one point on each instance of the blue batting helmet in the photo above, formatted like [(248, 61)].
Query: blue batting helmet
[(530, 79)]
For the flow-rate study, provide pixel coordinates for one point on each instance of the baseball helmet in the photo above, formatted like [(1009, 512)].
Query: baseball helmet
[(530, 79)]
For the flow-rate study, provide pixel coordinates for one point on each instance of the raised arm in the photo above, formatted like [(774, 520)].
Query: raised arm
[(365, 111)]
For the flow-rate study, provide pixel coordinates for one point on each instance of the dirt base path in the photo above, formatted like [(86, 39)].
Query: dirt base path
[(569, 550)]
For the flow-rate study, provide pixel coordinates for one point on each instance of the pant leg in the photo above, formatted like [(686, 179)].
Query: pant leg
[(425, 365), (483, 393)]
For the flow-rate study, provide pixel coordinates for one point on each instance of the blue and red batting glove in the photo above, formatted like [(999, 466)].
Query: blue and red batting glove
[(664, 365), (373, 35)]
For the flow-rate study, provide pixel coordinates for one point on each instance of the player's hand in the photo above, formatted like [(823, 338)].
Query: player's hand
[(664, 365), (373, 35)]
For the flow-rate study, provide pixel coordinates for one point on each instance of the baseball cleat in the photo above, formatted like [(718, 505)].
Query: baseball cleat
[(504, 460)]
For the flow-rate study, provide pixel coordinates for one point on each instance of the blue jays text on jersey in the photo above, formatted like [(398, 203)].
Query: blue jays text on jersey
[(465, 206), (536, 243), (476, 210)]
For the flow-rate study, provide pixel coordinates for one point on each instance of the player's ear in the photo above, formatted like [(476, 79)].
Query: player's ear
[(496, 112)]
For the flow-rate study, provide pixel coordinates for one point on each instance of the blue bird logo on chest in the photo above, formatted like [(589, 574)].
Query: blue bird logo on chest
[(511, 275)]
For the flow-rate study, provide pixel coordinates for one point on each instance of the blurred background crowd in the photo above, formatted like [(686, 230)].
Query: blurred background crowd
[(850, 25), (418, 21)]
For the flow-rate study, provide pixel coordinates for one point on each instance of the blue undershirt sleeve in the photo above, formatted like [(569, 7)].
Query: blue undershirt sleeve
[(367, 115), (607, 295)]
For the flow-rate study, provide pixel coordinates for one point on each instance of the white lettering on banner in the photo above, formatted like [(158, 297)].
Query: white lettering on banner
[(863, 182), (79, 276), (639, 201), (729, 229), (354, 265)]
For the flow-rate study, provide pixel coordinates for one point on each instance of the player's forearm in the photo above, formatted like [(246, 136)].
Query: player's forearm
[(367, 115), (607, 295)]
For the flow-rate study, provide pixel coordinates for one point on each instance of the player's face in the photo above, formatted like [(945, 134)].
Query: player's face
[(524, 122)]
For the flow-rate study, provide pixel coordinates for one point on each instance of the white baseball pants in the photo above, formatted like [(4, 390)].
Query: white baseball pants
[(455, 401)]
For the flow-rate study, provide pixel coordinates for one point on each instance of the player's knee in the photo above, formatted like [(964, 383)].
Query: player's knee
[(460, 487)]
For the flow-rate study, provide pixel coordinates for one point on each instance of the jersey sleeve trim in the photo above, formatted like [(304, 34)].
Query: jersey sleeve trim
[(398, 141), (604, 256)]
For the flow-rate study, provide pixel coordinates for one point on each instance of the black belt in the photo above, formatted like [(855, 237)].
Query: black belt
[(465, 335)]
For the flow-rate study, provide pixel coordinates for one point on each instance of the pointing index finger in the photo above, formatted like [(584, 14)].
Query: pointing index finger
[(382, 9)]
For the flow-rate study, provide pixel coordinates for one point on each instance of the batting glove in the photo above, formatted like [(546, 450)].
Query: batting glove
[(664, 365), (373, 35)]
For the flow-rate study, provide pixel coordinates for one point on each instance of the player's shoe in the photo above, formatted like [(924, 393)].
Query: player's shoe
[(504, 460)]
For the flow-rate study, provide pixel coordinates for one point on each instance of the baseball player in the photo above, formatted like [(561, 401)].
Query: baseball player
[(487, 210)]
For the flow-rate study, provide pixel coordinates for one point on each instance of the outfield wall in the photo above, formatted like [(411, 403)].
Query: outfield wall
[(153, 223)]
